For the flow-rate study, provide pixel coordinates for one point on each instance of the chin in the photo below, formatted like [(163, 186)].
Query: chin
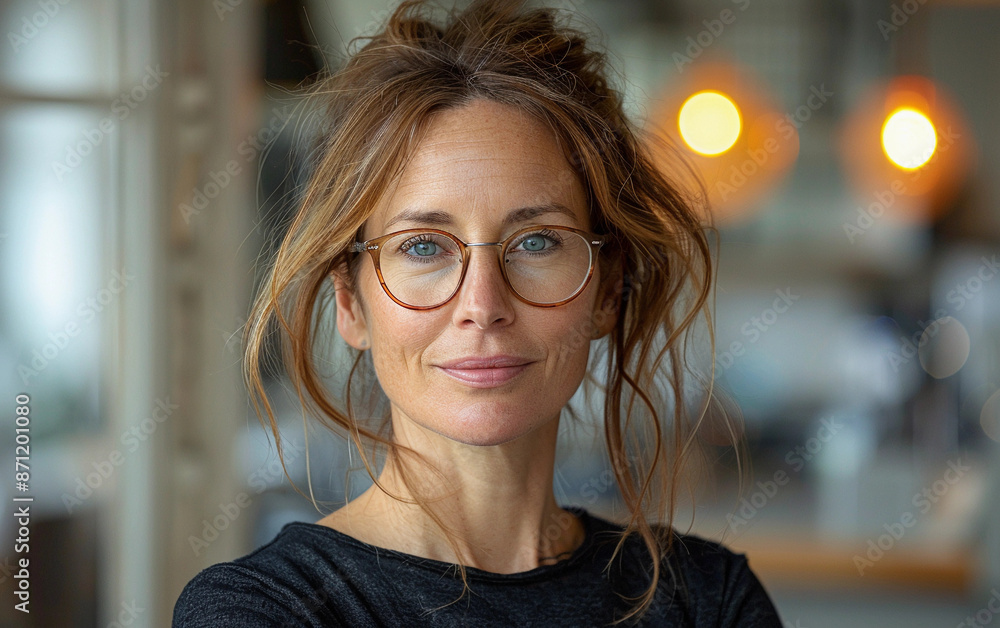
[(482, 428)]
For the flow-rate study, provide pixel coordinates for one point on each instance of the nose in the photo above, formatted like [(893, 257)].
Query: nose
[(483, 298)]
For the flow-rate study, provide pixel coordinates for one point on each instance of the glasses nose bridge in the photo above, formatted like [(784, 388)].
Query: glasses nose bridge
[(468, 259), (471, 244)]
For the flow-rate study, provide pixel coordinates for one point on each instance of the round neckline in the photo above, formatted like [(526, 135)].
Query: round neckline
[(442, 568)]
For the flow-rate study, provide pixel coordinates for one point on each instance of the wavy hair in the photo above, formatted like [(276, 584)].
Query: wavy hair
[(370, 114)]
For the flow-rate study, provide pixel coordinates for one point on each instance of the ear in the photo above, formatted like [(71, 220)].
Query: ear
[(605, 313), (350, 315)]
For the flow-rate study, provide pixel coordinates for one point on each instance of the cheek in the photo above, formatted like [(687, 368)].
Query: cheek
[(392, 327), (399, 339), (569, 341)]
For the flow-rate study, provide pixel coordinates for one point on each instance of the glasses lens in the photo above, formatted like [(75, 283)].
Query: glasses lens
[(549, 265), (421, 269), (546, 266)]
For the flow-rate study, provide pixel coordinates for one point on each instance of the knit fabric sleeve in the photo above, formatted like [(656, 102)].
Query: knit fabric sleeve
[(234, 596)]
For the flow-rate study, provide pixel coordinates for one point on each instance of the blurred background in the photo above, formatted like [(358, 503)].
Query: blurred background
[(852, 154)]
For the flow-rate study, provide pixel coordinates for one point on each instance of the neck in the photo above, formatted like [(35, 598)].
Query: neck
[(497, 500)]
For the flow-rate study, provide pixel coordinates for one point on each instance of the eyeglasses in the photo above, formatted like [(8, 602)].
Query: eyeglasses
[(543, 265)]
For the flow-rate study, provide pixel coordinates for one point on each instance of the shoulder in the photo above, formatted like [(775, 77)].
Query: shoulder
[(271, 586), (704, 557), (696, 558), (713, 584), (718, 580), (234, 596)]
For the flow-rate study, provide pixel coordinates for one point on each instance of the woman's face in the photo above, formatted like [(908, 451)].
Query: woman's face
[(476, 164)]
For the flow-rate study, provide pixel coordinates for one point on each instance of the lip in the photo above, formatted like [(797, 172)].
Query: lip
[(486, 378), (485, 362), (487, 372)]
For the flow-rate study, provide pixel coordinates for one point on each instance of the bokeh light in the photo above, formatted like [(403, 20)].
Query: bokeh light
[(709, 122), (723, 137), (989, 417), (908, 138), (944, 347)]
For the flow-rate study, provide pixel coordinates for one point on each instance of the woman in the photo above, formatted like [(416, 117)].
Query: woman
[(483, 211)]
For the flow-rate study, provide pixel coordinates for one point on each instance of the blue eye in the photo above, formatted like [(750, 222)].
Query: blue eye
[(423, 248), (544, 241), (421, 245), (533, 243)]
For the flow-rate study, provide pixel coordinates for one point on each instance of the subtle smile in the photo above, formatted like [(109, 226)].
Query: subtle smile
[(485, 377)]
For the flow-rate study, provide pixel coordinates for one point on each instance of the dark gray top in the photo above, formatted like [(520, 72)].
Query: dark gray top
[(312, 575)]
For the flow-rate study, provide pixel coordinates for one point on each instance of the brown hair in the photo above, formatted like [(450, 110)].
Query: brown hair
[(373, 110)]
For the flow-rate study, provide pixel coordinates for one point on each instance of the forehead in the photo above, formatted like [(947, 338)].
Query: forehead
[(483, 168)]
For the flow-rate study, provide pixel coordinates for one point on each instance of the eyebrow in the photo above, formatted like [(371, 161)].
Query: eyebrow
[(438, 217)]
